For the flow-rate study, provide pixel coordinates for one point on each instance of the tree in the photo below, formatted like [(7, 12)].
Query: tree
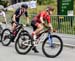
[(13, 1), (45, 2)]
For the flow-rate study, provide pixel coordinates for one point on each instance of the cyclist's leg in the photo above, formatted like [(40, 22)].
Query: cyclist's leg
[(33, 25), (37, 27), (14, 25), (34, 28)]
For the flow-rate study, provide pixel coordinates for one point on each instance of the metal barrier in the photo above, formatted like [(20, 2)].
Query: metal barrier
[(64, 24)]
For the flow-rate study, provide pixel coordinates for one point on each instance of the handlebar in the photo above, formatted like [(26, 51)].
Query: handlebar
[(49, 30)]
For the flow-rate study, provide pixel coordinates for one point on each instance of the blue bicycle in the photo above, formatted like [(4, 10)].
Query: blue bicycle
[(52, 45)]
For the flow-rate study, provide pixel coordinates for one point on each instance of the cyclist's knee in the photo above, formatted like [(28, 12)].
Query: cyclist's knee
[(40, 26), (14, 25)]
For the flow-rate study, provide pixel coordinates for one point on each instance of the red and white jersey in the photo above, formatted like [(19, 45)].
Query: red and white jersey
[(45, 15)]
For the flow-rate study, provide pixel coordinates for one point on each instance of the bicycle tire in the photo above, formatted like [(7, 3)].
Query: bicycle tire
[(60, 50), (1, 29), (5, 44), (17, 43)]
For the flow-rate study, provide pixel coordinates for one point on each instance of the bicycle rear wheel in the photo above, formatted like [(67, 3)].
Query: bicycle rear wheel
[(1, 29), (5, 37), (52, 48), (23, 42)]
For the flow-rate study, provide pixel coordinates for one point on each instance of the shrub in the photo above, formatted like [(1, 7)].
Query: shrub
[(4, 3)]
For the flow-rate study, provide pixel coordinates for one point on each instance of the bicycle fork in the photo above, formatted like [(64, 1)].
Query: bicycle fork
[(50, 41)]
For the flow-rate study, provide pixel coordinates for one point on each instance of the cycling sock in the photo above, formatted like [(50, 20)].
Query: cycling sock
[(34, 35)]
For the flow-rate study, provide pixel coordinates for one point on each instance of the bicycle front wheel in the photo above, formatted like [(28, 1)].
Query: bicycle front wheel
[(5, 37), (52, 47)]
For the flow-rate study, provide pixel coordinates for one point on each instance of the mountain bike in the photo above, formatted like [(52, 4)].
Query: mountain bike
[(1, 29), (52, 45), (7, 36)]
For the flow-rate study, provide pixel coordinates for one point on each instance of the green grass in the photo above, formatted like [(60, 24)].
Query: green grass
[(74, 7)]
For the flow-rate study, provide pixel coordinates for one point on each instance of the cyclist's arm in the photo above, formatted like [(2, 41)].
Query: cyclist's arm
[(41, 19), (14, 16), (27, 17), (4, 20), (50, 25), (4, 16)]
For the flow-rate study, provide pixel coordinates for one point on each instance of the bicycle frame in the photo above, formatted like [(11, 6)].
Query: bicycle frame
[(50, 41), (26, 45), (49, 36), (18, 30)]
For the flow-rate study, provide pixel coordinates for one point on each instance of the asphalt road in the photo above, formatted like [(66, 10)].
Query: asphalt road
[(9, 54)]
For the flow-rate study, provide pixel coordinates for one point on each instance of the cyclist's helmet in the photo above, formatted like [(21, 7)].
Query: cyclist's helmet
[(24, 6), (49, 8)]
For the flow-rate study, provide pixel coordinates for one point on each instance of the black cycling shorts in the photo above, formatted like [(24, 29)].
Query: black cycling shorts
[(33, 24)]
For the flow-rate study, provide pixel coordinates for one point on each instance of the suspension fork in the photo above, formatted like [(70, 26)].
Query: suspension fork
[(50, 39)]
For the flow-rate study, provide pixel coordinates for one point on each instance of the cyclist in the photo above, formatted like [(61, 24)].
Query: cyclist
[(38, 23), (2, 13), (18, 13)]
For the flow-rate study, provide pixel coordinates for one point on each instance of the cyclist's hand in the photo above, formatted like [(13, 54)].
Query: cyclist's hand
[(54, 30), (46, 25)]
